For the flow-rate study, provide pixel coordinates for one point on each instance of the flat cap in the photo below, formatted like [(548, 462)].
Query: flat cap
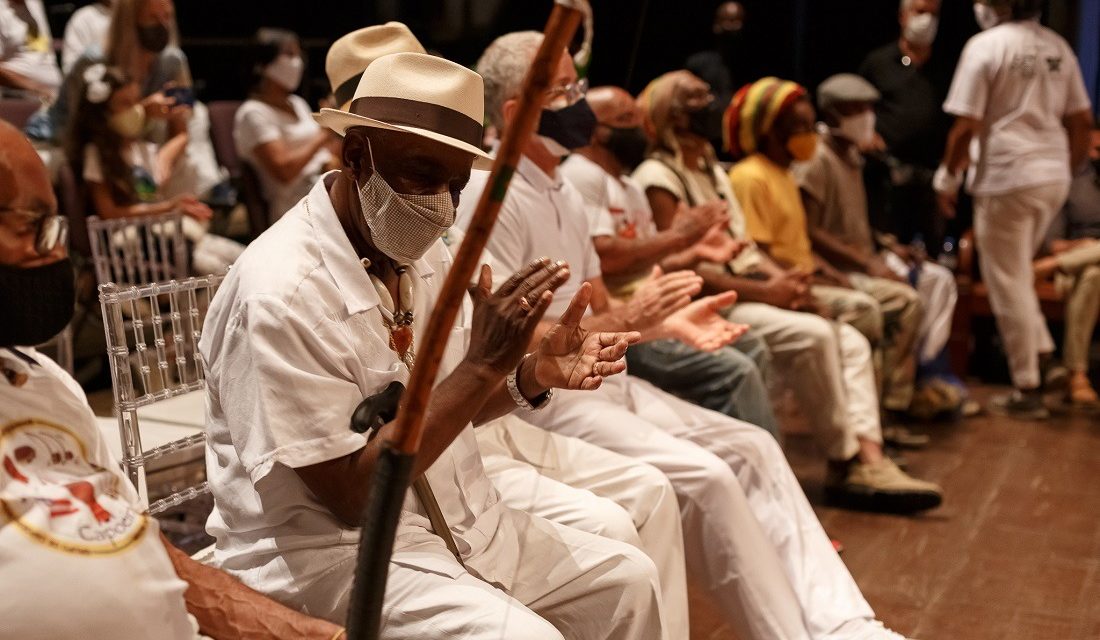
[(845, 87)]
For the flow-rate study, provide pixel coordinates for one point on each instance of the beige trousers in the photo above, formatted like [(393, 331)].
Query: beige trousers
[(888, 313), (1009, 229), (1079, 283), (571, 482), (829, 367)]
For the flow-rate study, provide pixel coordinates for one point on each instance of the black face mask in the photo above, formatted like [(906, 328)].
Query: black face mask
[(707, 122), (571, 126), (628, 145), (153, 38), (37, 303)]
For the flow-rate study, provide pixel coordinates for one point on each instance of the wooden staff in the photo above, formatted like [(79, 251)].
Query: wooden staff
[(395, 461)]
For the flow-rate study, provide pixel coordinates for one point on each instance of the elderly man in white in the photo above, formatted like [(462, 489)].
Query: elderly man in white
[(563, 479), (323, 310), (752, 539)]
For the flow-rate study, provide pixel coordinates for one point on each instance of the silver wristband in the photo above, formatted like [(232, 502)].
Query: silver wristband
[(513, 388)]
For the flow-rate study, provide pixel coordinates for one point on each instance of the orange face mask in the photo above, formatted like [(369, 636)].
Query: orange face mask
[(801, 146)]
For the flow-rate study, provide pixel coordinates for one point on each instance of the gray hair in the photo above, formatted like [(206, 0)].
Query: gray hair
[(503, 67)]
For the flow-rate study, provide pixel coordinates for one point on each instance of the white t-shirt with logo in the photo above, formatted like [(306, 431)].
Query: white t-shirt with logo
[(78, 556), (616, 207), (1019, 79)]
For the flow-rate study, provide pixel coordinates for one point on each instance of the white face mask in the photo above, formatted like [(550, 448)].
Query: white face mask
[(403, 226), (554, 147), (986, 16), (921, 28), (859, 128), (285, 71)]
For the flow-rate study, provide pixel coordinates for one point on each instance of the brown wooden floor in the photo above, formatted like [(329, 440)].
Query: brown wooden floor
[(1014, 552)]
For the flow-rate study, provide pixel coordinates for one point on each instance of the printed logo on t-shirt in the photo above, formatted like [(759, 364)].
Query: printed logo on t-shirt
[(52, 492), (625, 227), (1025, 64)]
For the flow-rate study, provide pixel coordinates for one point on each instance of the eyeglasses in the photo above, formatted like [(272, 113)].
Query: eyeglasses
[(572, 92), (48, 229)]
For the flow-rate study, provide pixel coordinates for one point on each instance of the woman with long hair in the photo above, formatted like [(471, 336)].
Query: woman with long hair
[(274, 130)]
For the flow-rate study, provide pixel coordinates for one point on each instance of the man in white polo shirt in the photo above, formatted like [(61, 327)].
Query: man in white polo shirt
[(752, 540), (326, 308), (1016, 94)]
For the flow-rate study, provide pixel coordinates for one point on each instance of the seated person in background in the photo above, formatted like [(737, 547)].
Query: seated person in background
[(752, 540), (140, 42), (836, 213), (274, 130), (770, 124), (1073, 243), (81, 558), (826, 364), (565, 480), (27, 61), (327, 307), (729, 379), (123, 172), (86, 28)]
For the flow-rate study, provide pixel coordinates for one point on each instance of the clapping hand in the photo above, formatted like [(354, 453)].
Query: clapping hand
[(570, 357), (701, 325), (661, 295)]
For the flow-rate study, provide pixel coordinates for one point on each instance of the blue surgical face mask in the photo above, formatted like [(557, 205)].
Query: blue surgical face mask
[(570, 127)]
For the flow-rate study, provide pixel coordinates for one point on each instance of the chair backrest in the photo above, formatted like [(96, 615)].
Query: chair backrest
[(222, 115), (153, 334), (18, 111), (252, 194), (138, 250)]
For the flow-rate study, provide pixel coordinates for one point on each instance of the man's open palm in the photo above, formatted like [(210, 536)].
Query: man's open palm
[(570, 357)]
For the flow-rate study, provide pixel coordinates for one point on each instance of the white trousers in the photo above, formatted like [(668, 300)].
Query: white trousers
[(938, 296), (751, 538), (1009, 229), (829, 367), (580, 485), (567, 584)]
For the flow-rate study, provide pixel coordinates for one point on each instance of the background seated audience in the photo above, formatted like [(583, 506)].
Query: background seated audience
[(274, 129), (124, 172)]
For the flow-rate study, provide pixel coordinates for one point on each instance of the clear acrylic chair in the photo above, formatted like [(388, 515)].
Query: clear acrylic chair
[(138, 250), (153, 333)]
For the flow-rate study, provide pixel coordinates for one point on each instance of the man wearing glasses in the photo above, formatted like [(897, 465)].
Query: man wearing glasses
[(72, 525)]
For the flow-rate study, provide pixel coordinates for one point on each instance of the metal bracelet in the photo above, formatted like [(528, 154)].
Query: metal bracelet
[(513, 388)]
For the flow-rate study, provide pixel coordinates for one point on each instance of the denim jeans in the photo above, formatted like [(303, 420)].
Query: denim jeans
[(730, 380)]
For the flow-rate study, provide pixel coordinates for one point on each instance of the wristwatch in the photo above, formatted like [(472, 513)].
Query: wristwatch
[(538, 403)]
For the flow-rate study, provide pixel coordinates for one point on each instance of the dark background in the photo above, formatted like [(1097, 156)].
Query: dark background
[(804, 40)]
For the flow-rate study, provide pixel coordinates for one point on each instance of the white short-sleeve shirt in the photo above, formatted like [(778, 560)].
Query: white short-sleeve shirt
[(542, 216), (78, 555), (86, 29), (616, 207), (258, 123), (24, 53), (1019, 79), (293, 342)]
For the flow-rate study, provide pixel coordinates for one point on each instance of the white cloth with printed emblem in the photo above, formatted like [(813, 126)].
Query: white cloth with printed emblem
[(79, 558)]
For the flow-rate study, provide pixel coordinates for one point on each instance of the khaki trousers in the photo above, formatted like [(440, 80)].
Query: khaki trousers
[(1080, 284), (828, 366), (1009, 228), (889, 314)]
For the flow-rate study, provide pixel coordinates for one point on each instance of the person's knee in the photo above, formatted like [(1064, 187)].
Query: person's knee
[(1090, 278), (610, 520), (819, 335), (633, 573)]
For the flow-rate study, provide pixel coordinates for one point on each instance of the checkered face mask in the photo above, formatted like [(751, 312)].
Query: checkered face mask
[(403, 226)]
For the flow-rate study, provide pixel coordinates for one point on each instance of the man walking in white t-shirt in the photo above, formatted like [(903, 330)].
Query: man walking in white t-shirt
[(1016, 94)]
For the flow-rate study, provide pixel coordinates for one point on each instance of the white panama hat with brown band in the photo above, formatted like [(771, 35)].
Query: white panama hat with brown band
[(416, 93)]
